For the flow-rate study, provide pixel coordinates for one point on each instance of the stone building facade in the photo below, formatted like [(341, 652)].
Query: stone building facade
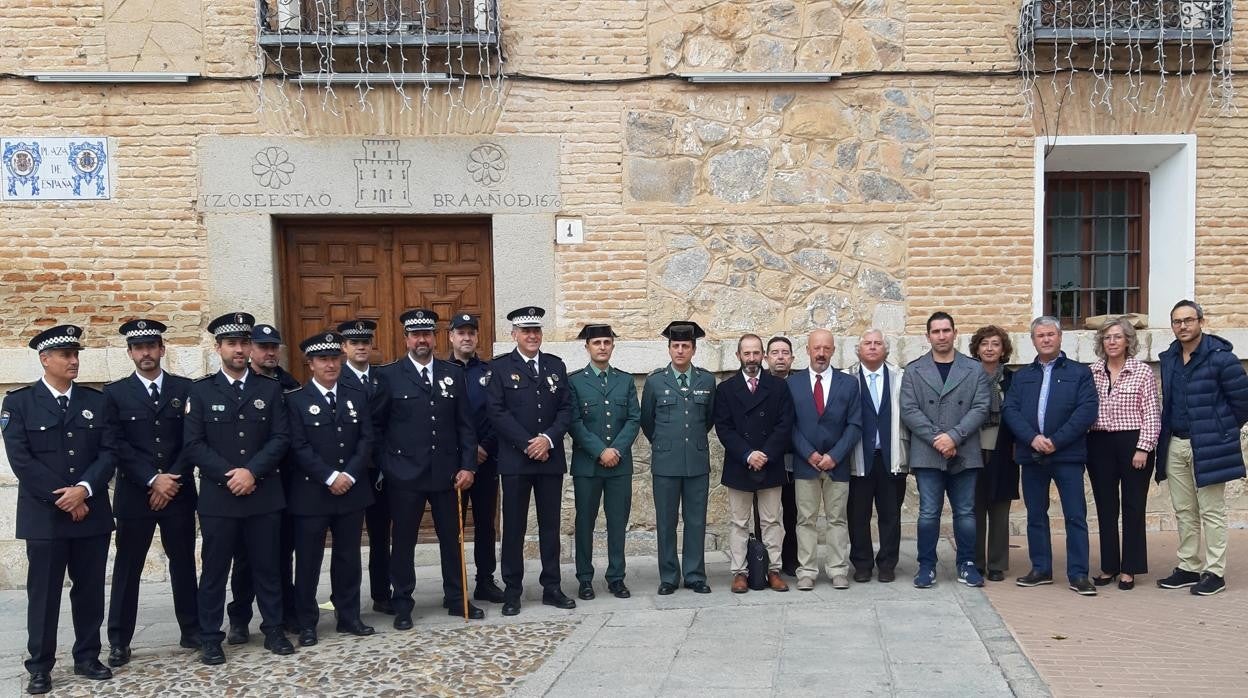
[(911, 181)]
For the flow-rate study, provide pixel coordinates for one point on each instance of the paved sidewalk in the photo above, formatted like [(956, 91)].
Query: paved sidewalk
[(873, 639), (1143, 642)]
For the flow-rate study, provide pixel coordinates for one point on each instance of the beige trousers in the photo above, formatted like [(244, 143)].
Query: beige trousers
[(810, 494), (741, 515), (1198, 510)]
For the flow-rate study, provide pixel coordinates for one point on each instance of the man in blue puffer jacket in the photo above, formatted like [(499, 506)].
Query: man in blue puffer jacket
[(1204, 404), (1050, 407)]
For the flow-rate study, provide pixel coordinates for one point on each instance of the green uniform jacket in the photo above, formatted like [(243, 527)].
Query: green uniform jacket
[(677, 422), (603, 417)]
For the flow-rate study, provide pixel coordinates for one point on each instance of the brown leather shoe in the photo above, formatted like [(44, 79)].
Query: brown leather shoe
[(775, 582), (740, 584)]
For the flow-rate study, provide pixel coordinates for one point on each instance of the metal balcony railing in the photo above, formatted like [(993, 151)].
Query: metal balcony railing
[(455, 23), (1145, 21)]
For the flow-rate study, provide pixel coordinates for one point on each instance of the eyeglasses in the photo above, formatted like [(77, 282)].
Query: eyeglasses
[(1184, 321)]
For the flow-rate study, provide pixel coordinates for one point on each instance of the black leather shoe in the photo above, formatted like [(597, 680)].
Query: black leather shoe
[(403, 621), (211, 654), (487, 590), (457, 611), (238, 635), (557, 599), (189, 642), (666, 588), (886, 575), (698, 587), (511, 608), (996, 576), (861, 576), (277, 643), (356, 628), (1034, 579), (307, 638), (383, 606), (40, 682), (618, 589), (118, 656), (1083, 586), (92, 669), (586, 591), (1105, 580)]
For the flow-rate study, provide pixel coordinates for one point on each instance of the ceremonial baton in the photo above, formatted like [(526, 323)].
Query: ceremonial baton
[(463, 562)]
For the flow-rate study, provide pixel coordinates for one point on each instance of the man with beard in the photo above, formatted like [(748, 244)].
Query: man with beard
[(153, 487), (605, 421), (483, 495), (427, 451), (357, 343), (779, 364), (58, 444), (754, 420), (236, 433), (530, 407), (331, 442)]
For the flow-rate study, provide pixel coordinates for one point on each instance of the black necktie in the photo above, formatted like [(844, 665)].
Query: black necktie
[(364, 378), (424, 376), (333, 403), (533, 367), (155, 393), (64, 402), (238, 385)]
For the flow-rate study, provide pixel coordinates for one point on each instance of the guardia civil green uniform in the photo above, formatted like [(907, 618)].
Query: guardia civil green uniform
[(606, 414), (676, 418)]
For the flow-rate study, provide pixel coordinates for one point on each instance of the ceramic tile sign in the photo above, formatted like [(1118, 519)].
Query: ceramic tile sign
[(74, 168)]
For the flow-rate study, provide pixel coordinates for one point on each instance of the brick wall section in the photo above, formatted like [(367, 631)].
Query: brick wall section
[(51, 35), (961, 35), (575, 38)]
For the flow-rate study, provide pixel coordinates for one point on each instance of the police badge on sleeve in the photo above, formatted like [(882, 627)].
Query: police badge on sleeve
[(4, 419)]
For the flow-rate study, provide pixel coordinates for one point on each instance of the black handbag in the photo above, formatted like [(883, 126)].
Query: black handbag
[(757, 563)]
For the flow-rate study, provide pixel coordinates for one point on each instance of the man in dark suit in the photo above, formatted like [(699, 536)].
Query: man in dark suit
[(357, 344), (606, 419), (236, 434), (266, 342), (427, 454), (331, 441), (754, 421), (145, 410), (483, 495), (530, 406), (780, 364), (59, 445), (828, 426)]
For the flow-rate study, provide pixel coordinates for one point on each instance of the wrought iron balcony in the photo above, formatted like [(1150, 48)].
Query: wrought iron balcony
[(1143, 21), (354, 23)]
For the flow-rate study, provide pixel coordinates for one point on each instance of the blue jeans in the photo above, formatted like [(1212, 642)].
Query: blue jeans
[(933, 486), (1069, 479)]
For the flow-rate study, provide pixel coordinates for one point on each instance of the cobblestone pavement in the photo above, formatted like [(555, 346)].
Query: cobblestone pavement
[(1143, 642), (873, 639)]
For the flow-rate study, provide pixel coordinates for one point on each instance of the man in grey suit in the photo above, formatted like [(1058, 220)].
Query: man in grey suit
[(828, 426), (944, 401)]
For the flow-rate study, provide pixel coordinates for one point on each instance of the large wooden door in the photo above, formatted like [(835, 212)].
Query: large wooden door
[(336, 271), (343, 270)]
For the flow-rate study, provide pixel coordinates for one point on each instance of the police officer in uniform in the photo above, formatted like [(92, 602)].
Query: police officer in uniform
[(676, 415), (357, 344), (58, 444), (153, 487), (483, 495), (236, 434), (428, 451), (266, 341), (530, 407), (605, 421), (331, 443)]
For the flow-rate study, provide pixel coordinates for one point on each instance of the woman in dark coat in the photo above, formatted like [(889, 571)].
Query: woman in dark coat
[(997, 485)]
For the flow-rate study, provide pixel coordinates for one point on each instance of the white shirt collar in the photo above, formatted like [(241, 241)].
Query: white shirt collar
[(747, 377), (359, 374), (243, 380), (324, 391), (867, 373), (419, 365), (537, 359), (56, 393), (147, 385), (827, 377)]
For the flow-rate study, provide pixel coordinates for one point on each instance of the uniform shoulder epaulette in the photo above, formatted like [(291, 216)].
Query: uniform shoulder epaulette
[(18, 389), (579, 370), (293, 390), (89, 388), (203, 378), (699, 369), (657, 371), (389, 364), (500, 356), (261, 375)]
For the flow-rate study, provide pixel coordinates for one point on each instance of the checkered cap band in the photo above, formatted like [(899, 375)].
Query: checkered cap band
[(149, 332), (419, 323), (232, 329), (323, 346), (352, 332), (527, 321), (52, 342)]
